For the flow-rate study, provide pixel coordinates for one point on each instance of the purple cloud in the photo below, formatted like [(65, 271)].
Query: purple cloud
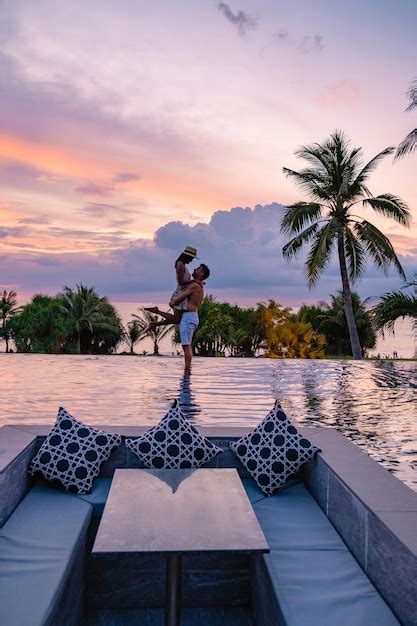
[(241, 246), (243, 21)]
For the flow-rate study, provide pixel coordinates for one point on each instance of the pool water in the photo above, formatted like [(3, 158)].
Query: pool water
[(373, 403)]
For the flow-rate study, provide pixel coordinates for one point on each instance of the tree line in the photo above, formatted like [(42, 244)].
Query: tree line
[(80, 321)]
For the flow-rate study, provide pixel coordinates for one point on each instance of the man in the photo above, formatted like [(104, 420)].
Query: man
[(189, 320)]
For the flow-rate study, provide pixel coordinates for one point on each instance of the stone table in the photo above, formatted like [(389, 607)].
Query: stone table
[(174, 513)]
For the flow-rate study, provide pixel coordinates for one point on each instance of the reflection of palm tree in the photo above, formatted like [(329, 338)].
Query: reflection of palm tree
[(335, 182), (146, 320), (8, 308), (86, 309), (409, 144)]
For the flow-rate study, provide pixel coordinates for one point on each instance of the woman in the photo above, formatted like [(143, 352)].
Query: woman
[(184, 278)]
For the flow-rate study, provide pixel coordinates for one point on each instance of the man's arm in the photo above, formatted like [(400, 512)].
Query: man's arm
[(184, 294)]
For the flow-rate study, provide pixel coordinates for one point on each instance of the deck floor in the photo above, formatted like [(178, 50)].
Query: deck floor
[(229, 616)]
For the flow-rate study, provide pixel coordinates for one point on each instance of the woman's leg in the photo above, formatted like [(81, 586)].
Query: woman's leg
[(169, 318)]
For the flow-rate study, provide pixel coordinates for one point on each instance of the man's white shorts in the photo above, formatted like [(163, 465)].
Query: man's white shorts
[(188, 324)]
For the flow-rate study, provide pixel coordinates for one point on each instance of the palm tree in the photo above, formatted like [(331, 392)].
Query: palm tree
[(87, 310), (134, 333), (395, 305), (156, 333), (335, 182), (8, 308), (409, 144)]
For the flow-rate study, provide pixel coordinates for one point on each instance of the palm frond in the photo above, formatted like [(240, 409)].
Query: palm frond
[(412, 94), (408, 145), (390, 206), (298, 215), (378, 246), (311, 181), (316, 155), (320, 253), (293, 247), (355, 254), (359, 181), (393, 306)]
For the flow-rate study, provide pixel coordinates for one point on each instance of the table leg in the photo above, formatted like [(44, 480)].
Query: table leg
[(173, 590)]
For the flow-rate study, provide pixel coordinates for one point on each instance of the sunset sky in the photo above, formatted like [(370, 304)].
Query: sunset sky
[(129, 129)]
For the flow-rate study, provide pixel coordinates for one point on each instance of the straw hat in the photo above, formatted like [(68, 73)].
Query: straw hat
[(191, 251)]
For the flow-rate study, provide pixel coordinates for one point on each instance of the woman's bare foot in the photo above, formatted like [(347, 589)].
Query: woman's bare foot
[(151, 309)]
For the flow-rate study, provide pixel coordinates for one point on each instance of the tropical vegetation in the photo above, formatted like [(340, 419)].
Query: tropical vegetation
[(336, 182), (330, 320), (8, 308), (155, 333), (409, 143), (64, 325), (397, 304), (269, 329), (76, 321)]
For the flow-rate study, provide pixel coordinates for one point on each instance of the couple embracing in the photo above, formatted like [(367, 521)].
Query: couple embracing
[(185, 301)]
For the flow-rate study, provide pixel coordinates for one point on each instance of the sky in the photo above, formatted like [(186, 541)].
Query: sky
[(129, 129)]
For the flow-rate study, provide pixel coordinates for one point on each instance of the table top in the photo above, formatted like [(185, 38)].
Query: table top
[(183, 511)]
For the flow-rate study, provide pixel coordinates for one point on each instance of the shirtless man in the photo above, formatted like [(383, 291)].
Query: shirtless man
[(189, 320)]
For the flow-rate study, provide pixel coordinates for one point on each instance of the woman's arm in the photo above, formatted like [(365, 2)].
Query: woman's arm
[(181, 273)]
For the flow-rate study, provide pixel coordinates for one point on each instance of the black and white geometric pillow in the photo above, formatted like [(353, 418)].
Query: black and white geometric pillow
[(173, 444), (72, 453), (273, 451)]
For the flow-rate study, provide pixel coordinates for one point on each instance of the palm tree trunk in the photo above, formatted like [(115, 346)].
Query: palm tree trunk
[(6, 339), (79, 343), (347, 302), (155, 348)]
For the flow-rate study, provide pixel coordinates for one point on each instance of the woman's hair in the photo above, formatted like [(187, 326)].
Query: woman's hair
[(184, 258)]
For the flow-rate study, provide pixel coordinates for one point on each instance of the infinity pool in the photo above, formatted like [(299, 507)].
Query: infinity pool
[(373, 403)]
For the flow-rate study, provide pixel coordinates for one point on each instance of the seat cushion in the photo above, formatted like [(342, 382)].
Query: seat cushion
[(38, 546), (316, 579), (73, 453), (255, 493), (273, 451), (174, 443), (98, 496)]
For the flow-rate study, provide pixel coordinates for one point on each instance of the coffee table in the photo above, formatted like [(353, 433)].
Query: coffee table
[(178, 512)]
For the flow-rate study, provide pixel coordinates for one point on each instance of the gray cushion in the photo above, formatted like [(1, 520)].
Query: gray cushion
[(255, 493), (38, 546), (98, 496), (316, 579)]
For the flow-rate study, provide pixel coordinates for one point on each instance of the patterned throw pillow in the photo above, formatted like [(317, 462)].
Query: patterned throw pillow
[(72, 453), (173, 444), (273, 451)]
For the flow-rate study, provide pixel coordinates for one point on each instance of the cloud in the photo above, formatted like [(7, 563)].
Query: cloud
[(305, 45), (243, 21), (125, 177), (341, 92), (106, 187), (40, 220), (311, 43), (242, 247)]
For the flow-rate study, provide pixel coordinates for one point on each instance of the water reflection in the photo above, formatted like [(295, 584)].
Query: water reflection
[(374, 403), (187, 402)]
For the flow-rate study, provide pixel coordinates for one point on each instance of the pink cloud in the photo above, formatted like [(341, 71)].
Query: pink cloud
[(338, 93)]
